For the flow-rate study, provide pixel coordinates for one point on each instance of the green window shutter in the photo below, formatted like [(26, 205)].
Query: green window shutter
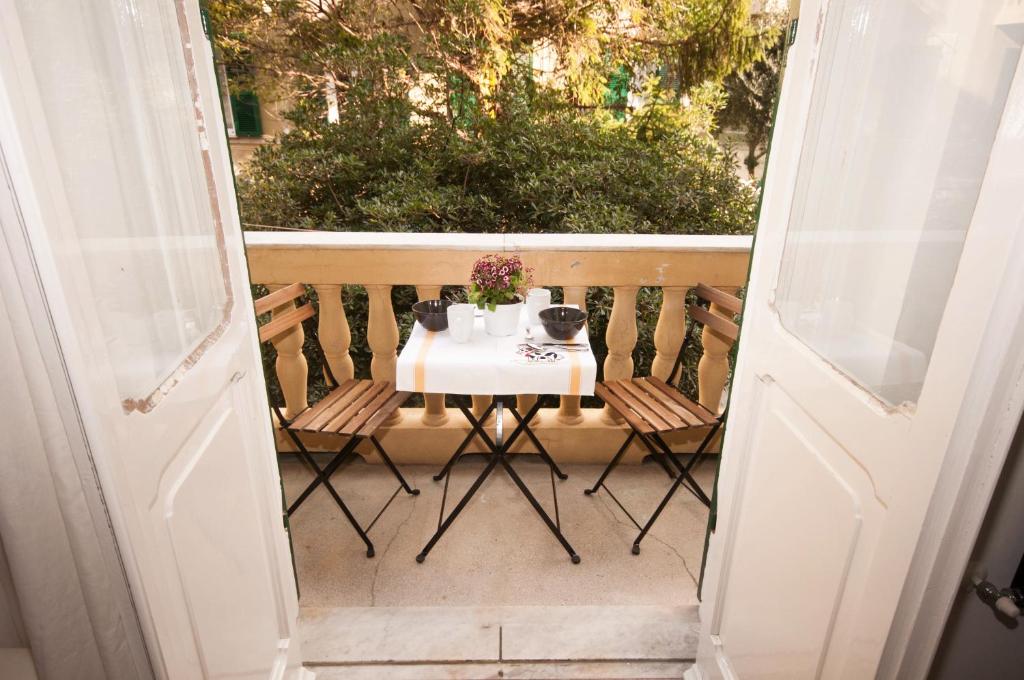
[(246, 109), (616, 92)]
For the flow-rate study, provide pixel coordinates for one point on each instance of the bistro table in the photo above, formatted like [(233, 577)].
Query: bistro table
[(433, 362)]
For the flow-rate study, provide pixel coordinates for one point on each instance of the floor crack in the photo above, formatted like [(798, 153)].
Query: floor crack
[(615, 516), (383, 553)]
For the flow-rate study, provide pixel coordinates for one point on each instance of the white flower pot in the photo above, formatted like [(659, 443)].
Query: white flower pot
[(504, 320)]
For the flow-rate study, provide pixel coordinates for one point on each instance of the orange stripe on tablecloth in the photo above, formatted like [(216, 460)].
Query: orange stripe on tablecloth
[(574, 371), (419, 372)]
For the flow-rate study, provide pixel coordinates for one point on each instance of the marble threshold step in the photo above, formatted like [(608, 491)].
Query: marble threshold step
[(604, 641)]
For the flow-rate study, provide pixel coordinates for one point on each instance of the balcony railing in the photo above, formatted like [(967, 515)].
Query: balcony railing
[(379, 261)]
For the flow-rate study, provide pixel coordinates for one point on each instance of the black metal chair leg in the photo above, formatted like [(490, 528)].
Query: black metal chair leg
[(650, 522), (540, 511), (324, 474), (684, 471), (458, 508), (324, 477), (352, 520), (394, 470), (611, 465), (691, 484), (664, 465)]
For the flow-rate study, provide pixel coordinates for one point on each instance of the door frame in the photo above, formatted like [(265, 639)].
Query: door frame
[(35, 316), (985, 423)]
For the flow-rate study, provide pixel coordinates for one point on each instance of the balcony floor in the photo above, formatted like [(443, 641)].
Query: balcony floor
[(498, 553)]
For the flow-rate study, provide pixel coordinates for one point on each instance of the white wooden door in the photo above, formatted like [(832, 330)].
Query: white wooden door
[(111, 130), (891, 213)]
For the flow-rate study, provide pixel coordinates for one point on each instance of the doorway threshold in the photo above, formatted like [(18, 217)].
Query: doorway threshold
[(565, 641)]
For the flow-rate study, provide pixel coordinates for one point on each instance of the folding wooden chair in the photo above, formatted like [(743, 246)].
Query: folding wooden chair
[(652, 408), (354, 409)]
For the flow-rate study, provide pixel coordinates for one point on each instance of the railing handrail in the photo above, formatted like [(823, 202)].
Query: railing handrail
[(370, 240)]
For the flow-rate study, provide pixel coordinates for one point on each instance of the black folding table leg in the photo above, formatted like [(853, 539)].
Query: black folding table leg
[(476, 427), (458, 508), (611, 465), (540, 510), (524, 423), (394, 470)]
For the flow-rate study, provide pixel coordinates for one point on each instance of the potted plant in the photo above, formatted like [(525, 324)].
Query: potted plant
[(498, 286)]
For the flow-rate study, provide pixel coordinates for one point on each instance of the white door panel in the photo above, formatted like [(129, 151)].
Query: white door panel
[(818, 520), (110, 120), (877, 262)]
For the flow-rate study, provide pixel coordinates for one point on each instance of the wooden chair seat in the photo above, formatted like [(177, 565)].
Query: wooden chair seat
[(650, 405), (354, 408)]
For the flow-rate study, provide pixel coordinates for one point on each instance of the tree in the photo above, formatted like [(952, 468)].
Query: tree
[(302, 48), (751, 103)]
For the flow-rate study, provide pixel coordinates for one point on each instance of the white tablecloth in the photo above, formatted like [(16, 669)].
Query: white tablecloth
[(433, 362)]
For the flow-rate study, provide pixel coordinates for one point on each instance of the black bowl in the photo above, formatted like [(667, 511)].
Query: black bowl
[(562, 323), (432, 314)]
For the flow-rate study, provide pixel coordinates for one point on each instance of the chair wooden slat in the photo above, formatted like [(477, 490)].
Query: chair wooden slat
[(656, 394), (717, 323), (696, 409), (396, 400), (353, 408), (356, 422), (327, 414), (279, 297), (653, 419), (635, 421), (286, 321), (645, 405), (321, 410), (730, 303)]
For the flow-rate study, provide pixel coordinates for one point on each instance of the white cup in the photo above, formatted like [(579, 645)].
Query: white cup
[(537, 300), (460, 322)]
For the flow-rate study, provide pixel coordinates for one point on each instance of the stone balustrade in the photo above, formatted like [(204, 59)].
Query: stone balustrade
[(379, 261)]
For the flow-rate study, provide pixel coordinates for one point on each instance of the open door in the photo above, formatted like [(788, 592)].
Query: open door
[(878, 292), (112, 139)]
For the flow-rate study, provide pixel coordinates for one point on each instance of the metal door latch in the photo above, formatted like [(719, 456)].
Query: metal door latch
[(1007, 602)]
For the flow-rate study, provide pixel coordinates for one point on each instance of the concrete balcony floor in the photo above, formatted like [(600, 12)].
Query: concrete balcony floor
[(498, 596)]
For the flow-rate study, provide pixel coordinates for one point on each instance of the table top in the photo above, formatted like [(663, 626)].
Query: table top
[(434, 363)]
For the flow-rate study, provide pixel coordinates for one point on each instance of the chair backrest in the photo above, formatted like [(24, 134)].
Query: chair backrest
[(288, 320), (701, 313)]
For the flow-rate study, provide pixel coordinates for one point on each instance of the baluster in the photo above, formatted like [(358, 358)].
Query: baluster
[(382, 336), (480, 404), (434, 412), (713, 368), (290, 365), (621, 339), (569, 412), (333, 331), (668, 334)]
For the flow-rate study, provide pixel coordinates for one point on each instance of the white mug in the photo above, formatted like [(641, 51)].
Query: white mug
[(460, 322), (537, 300)]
